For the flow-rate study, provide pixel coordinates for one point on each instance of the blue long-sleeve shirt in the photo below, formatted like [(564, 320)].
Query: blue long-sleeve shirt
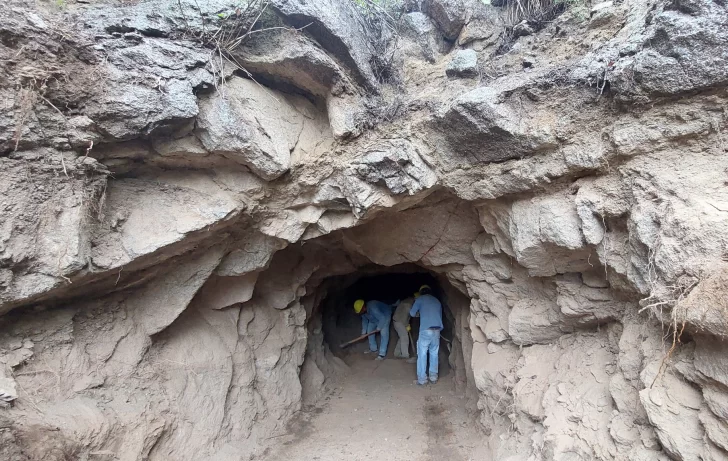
[(378, 314), (430, 310)]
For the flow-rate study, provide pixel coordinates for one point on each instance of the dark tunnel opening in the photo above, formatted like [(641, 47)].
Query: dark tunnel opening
[(340, 323)]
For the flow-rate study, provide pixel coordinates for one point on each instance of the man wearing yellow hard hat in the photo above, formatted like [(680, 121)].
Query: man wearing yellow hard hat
[(375, 315), (429, 309), (400, 320)]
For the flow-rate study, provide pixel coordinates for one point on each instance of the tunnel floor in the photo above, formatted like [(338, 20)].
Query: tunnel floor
[(377, 412)]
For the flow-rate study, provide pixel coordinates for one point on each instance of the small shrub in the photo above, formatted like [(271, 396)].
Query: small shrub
[(382, 18), (536, 12)]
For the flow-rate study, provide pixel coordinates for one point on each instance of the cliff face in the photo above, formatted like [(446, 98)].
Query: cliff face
[(179, 179)]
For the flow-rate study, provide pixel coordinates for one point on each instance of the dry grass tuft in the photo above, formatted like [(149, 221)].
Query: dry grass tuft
[(52, 68), (383, 19), (228, 31), (536, 14)]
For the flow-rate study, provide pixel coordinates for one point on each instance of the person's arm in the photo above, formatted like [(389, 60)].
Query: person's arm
[(364, 324), (415, 308)]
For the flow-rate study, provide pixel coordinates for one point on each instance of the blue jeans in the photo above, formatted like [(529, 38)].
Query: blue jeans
[(383, 328), (429, 341)]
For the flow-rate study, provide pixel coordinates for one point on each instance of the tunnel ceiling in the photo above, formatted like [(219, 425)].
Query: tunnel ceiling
[(387, 284)]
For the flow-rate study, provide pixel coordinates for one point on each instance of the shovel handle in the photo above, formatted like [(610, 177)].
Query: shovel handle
[(358, 339)]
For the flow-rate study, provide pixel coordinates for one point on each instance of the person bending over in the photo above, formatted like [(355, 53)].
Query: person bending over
[(375, 315)]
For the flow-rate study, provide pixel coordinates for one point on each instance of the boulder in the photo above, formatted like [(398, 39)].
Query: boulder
[(291, 58), (336, 27), (127, 108), (420, 28), (678, 52), (188, 146), (710, 360), (716, 398), (158, 304), (449, 15), (397, 165), (464, 64), (253, 253), (547, 237), (232, 123), (596, 201), (8, 390), (601, 14), (162, 19), (346, 116), (221, 292), (480, 127), (481, 32), (715, 428), (495, 268)]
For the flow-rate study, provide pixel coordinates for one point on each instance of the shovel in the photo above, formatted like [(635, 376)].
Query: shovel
[(358, 339)]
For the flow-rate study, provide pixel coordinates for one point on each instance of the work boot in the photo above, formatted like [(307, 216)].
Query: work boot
[(433, 379), (412, 360), (379, 357), (417, 383)]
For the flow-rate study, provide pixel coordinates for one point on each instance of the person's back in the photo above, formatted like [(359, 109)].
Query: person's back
[(401, 314), (428, 344), (430, 310), (379, 310)]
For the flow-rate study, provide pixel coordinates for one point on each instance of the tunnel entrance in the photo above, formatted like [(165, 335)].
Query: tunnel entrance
[(373, 408), (387, 284)]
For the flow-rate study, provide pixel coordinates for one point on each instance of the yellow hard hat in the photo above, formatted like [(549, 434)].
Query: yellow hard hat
[(358, 305), (425, 286)]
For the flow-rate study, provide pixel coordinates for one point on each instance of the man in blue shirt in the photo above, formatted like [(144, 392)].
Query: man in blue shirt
[(375, 315), (430, 313)]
